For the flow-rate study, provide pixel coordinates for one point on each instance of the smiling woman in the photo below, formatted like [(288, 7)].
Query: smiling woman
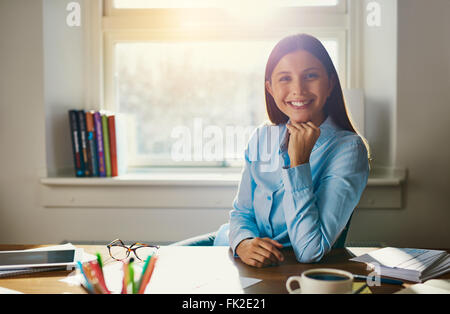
[(319, 164)]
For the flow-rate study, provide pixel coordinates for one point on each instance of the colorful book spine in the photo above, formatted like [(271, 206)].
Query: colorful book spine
[(113, 145), (106, 145), (100, 152), (75, 130), (92, 144), (84, 143), (120, 121)]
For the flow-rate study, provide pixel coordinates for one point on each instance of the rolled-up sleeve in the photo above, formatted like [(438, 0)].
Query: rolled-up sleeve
[(317, 214)]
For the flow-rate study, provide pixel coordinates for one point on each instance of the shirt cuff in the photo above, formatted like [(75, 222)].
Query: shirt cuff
[(297, 178)]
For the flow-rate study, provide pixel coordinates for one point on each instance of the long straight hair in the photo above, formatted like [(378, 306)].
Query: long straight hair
[(335, 104)]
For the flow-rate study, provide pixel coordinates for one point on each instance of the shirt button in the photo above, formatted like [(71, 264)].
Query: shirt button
[(269, 198)]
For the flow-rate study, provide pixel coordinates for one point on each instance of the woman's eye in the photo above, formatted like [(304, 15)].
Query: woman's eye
[(284, 78), (311, 76)]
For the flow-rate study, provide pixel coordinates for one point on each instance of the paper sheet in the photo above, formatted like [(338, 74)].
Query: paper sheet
[(433, 286), (8, 291)]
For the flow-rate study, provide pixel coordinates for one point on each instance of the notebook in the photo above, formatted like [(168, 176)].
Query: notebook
[(433, 286), (416, 265)]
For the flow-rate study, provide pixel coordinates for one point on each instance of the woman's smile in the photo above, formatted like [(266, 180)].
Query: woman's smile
[(300, 87), (299, 104)]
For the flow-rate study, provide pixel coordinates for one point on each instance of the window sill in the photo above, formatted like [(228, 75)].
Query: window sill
[(156, 177), (188, 188)]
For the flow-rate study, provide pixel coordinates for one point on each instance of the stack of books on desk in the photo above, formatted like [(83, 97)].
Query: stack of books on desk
[(416, 265)]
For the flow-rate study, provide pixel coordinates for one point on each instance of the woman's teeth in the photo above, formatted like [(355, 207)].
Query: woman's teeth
[(300, 103)]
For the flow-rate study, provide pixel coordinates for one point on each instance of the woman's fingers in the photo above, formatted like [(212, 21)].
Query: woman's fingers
[(311, 124), (297, 126), (307, 128), (264, 257), (313, 127), (271, 246), (303, 126), (255, 263), (268, 250), (291, 128), (274, 242), (260, 252)]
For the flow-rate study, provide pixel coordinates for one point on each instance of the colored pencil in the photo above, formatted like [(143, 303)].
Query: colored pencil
[(88, 284), (143, 272), (91, 278), (148, 274), (125, 278), (131, 278), (98, 275)]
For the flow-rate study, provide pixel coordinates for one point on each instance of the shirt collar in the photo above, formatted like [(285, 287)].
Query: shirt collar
[(327, 130)]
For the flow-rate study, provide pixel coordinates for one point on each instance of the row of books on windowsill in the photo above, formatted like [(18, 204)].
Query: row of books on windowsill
[(96, 143)]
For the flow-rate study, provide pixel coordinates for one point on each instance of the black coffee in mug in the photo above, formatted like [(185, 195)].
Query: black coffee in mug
[(327, 276)]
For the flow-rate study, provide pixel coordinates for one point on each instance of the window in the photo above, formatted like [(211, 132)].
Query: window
[(152, 4), (189, 75)]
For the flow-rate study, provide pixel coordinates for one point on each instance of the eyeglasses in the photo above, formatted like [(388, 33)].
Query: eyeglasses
[(119, 251)]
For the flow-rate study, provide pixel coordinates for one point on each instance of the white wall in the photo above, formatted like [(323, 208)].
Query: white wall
[(40, 62), (63, 74), (421, 117), (22, 120), (424, 120), (379, 81)]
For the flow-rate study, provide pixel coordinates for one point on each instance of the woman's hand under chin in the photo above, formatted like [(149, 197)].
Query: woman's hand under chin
[(302, 138)]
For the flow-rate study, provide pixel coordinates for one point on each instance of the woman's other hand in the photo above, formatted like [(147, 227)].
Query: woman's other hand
[(260, 252)]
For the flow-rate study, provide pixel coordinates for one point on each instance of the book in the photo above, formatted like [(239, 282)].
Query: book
[(75, 135), (106, 145), (121, 123), (92, 144), (416, 265), (83, 141), (432, 286), (100, 152), (113, 144)]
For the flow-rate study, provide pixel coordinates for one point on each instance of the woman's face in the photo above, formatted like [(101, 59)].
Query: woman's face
[(300, 87)]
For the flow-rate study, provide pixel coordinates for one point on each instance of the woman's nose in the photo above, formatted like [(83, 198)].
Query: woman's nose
[(298, 88)]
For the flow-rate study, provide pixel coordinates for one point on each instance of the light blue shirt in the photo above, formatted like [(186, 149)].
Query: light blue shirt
[(305, 207)]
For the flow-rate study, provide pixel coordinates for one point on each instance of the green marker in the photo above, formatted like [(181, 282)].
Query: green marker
[(143, 271), (131, 276), (99, 261)]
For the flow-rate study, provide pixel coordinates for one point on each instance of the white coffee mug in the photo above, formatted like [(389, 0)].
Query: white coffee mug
[(322, 281)]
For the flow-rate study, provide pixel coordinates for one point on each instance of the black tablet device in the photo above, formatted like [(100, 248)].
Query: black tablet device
[(25, 259)]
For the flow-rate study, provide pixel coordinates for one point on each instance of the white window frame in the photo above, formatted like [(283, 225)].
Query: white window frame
[(164, 24), (109, 10)]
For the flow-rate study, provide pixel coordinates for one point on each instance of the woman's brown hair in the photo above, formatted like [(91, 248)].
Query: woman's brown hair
[(335, 104)]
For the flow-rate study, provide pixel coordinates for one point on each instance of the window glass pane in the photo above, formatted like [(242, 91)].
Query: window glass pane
[(149, 4), (193, 101)]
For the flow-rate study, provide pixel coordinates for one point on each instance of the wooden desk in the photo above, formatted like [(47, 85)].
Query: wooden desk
[(219, 259)]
